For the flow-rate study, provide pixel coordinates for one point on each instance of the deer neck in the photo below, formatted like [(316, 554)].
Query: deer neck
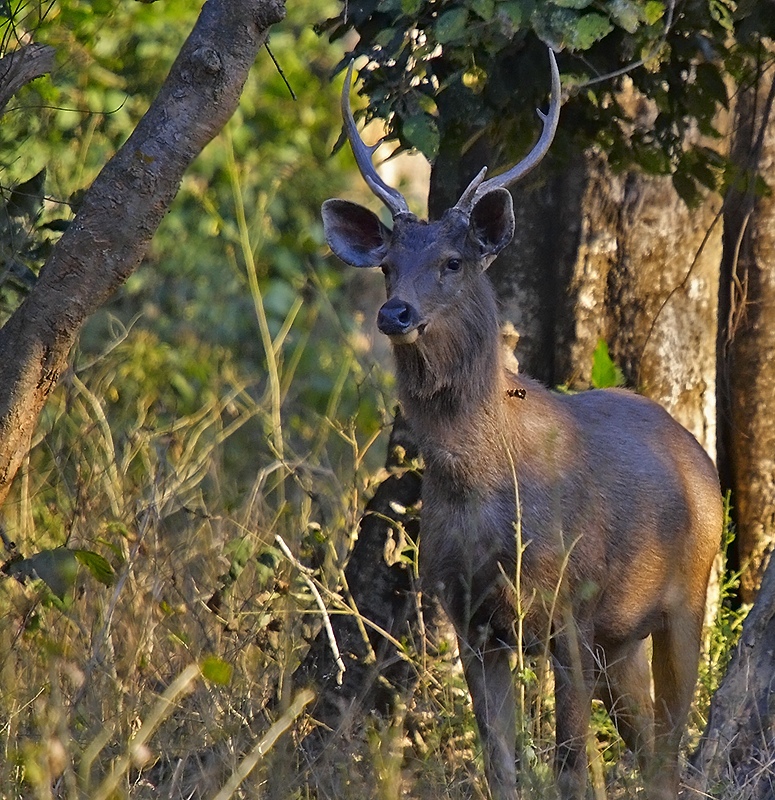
[(454, 392)]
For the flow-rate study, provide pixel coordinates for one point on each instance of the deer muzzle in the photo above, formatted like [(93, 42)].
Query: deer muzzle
[(400, 321)]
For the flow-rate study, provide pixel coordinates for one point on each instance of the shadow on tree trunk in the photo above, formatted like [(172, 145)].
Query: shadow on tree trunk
[(373, 643)]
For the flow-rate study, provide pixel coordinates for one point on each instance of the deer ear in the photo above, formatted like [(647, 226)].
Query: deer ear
[(354, 233), (492, 222)]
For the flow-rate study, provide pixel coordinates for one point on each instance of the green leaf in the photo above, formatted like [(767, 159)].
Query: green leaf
[(687, 189), (26, 198), (653, 11), (589, 29), (577, 4), (422, 133), (411, 7), (605, 373), (653, 159), (626, 14), (451, 25), (56, 568), (483, 8), (384, 37), (721, 11), (239, 550), (515, 11), (98, 566), (216, 670), (710, 81)]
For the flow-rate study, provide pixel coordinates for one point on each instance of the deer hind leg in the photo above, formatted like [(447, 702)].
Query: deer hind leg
[(625, 689), (488, 674), (674, 664), (574, 681)]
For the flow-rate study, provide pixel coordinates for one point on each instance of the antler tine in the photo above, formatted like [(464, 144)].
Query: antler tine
[(479, 187), (363, 153)]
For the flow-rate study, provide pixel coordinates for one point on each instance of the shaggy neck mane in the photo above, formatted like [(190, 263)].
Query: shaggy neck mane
[(452, 385)]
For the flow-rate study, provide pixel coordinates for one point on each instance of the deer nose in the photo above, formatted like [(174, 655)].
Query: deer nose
[(397, 317)]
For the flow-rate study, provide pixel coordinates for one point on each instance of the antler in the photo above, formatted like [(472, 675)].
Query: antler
[(479, 187), (391, 197)]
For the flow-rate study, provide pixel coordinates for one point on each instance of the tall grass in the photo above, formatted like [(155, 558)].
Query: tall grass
[(174, 679)]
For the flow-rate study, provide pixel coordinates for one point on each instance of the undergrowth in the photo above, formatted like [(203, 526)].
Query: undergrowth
[(175, 539)]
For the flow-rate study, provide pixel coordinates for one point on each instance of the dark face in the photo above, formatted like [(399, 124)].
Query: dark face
[(428, 266)]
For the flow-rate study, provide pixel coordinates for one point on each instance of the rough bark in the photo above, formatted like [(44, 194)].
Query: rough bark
[(747, 338), (22, 66), (618, 257), (122, 210), (736, 755)]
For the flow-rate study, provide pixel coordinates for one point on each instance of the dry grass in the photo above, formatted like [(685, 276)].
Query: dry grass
[(174, 680)]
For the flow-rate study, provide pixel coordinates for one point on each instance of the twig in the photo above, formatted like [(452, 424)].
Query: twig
[(304, 571), (280, 71)]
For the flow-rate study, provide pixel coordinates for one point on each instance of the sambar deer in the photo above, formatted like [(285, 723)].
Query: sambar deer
[(588, 521)]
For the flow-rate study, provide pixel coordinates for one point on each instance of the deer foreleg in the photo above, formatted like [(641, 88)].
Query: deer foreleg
[(490, 682)]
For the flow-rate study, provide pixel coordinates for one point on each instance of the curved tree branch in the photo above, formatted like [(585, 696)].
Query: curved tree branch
[(122, 210), (21, 67)]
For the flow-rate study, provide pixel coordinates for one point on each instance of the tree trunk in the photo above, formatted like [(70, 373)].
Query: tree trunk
[(736, 755), (381, 587), (747, 337), (618, 257), (122, 210)]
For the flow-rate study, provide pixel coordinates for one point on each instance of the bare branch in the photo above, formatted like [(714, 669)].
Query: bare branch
[(22, 66)]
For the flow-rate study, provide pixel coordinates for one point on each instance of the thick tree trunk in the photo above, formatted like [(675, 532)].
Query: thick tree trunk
[(122, 210), (736, 755), (747, 338), (618, 257)]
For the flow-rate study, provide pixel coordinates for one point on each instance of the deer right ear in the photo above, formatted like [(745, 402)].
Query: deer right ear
[(354, 233)]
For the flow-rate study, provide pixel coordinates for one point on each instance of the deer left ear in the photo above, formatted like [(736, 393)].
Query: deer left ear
[(492, 222)]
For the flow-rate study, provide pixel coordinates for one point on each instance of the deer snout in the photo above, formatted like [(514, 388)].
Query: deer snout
[(400, 321)]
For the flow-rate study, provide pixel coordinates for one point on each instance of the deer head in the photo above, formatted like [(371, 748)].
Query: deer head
[(426, 264)]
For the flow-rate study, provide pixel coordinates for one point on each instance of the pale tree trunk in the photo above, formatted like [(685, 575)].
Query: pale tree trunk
[(747, 340), (122, 210)]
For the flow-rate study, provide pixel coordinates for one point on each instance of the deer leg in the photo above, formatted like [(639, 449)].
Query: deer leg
[(574, 680), (490, 683), (674, 664), (625, 689)]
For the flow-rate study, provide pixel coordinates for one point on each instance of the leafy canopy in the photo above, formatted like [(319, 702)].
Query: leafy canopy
[(644, 79)]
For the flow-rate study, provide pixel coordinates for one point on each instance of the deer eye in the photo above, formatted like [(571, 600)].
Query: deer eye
[(453, 264)]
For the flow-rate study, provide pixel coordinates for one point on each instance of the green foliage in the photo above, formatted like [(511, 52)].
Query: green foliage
[(605, 374), (58, 568), (472, 68), (216, 670)]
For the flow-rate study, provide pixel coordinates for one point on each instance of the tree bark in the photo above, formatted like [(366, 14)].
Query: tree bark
[(747, 337), (381, 586), (122, 210), (736, 755), (22, 66)]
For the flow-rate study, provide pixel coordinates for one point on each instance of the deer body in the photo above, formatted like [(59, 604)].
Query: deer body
[(586, 523)]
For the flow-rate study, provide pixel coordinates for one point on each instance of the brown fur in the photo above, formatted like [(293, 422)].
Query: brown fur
[(617, 504)]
